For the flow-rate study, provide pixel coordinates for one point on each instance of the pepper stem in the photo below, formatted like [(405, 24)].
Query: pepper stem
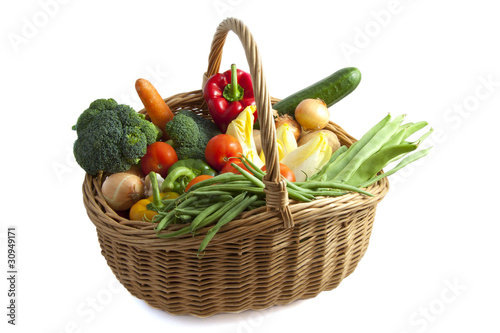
[(233, 91), (156, 191)]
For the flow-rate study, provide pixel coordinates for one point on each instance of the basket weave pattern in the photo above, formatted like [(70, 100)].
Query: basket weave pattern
[(268, 256)]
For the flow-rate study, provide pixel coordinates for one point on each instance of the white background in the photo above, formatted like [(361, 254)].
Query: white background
[(432, 263)]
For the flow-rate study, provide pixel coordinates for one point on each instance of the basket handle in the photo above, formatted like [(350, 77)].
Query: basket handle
[(275, 184)]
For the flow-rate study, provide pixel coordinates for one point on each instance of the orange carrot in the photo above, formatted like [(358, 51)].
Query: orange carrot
[(155, 106)]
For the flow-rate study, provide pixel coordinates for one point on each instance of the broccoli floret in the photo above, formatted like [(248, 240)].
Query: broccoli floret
[(190, 134), (134, 144), (95, 108), (111, 137), (208, 127)]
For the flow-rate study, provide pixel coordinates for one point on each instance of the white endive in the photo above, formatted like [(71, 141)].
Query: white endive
[(286, 141), (309, 158), (242, 129)]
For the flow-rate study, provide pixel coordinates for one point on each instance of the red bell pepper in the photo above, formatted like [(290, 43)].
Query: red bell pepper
[(227, 94)]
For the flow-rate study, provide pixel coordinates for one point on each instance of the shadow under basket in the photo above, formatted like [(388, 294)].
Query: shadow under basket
[(255, 261)]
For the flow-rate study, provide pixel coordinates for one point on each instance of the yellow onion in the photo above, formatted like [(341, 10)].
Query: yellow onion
[(312, 114), (121, 190)]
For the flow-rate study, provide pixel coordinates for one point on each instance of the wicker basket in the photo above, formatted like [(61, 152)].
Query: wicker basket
[(269, 256)]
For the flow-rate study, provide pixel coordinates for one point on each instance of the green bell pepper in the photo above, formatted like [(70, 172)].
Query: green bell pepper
[(199, 167), (183, 171)]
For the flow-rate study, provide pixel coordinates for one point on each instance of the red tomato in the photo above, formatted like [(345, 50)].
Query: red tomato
[(229, 168), (284, 171), (197, 180), (221, 149), (159, 158)]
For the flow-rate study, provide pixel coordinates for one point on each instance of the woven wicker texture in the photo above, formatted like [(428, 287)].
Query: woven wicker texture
[(268, 256)]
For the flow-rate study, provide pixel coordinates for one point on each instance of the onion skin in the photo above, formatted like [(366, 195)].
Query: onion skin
[(312, 114), (121, 190)]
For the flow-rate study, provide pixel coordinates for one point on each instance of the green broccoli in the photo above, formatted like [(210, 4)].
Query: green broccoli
[(111, 137), (190, 133)]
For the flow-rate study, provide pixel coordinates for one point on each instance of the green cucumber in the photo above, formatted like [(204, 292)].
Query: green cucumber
[(330, 90)]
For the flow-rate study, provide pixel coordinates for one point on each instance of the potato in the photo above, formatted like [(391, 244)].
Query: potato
[(333, 141)]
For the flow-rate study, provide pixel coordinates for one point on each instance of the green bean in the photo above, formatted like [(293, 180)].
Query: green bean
[(296, 192), (226, 218), (176, 233), (211, 192), (170, 216), (229, 188), (212, 199), (169, 201), (335, 167), (253, 168), (292, 185), (371, 147), (217, 214), (300, 195), (241, 183), (375, 163), (166, 221), (205, 213), (329, 193), (222, 178), (202, 221), (189, 211), (407, 160), (249, 176), (334, 185), (257, 204), (185, 217), (186, 202)]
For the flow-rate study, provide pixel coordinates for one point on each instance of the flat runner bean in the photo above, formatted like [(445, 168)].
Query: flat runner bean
[(372, 165), (340, 163), (407, 160), (370, 148)]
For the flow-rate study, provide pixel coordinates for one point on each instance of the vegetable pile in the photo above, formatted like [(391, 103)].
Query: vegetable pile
[(185, 169)]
